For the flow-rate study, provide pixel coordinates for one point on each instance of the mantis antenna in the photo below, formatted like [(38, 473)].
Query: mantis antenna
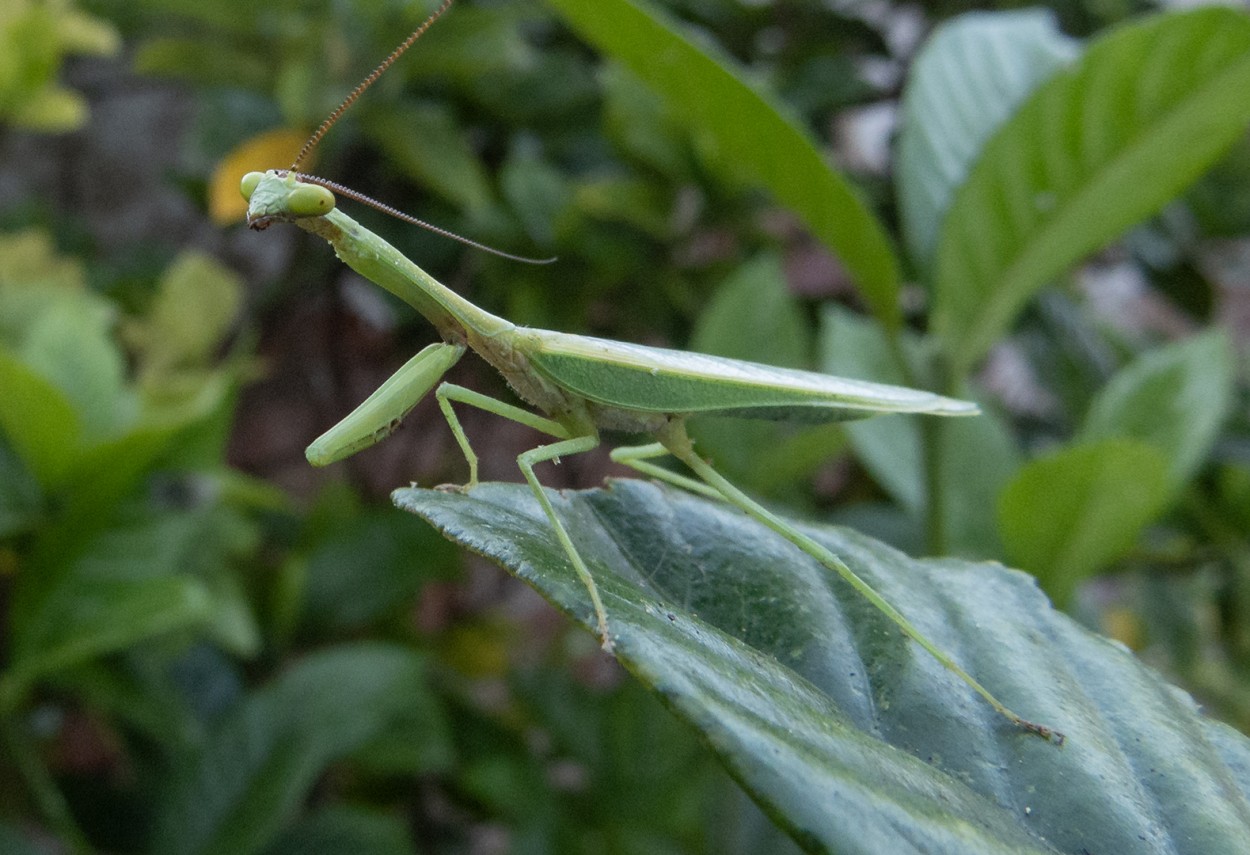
[(342, 108), (366, 83)]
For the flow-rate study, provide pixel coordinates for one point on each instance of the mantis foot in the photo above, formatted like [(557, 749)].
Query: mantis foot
[(605, 639), (1047, 733), (456, 488)]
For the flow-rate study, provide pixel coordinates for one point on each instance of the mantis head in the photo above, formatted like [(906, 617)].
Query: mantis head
[(279, 196)]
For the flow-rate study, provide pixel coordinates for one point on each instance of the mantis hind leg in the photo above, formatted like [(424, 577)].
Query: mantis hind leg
[(569, 444), (679, 445), (638, 457)]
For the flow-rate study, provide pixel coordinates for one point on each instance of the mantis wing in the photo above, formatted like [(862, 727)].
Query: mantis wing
[(658, 380)]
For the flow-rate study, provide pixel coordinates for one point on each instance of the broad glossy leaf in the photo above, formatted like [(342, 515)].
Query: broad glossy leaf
[(746, 133), (538, 193), (205, 62), (21, 500), (364, 566), (34, 41), (968, 77), (1101, 145), (96, 584), (642, 204), (256, 767), (472, 44), (1173, 397), (196, 304), (1065, 516), (848, 735), (71, 345), (635, 120)]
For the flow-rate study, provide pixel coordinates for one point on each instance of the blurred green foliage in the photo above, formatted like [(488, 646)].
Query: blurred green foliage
[(206, 650), (35, 38)]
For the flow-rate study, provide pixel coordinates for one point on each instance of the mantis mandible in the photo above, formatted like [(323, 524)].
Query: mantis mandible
[(581, 385)]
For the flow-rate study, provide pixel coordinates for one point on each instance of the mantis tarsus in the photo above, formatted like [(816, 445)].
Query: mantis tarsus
[(581, 384)]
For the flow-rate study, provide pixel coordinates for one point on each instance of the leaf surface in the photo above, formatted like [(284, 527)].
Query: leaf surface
[(1175, 398), (1100, 146), (965, 81), (849, 736)]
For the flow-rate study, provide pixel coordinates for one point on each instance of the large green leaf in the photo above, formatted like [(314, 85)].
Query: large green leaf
[(250, 776), (20, 496), (966, 80), (747, 134), (39, 421), (71, 345), (852, 738), (425, 142), (1101, 145)]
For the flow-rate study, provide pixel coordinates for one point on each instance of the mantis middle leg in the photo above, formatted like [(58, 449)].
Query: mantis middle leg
[(568, 444)]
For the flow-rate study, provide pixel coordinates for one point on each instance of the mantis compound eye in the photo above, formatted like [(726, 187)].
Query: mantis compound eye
[(309, 200), (248, 186)]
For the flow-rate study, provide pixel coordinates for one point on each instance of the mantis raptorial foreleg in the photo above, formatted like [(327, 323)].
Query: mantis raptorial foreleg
[(567, 445), (378, 416)]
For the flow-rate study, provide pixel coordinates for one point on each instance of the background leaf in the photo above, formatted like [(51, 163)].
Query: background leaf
[(251, 774), (425, 142), (100, 618), (971, 73), (824, 712), (39, 421), (1067, 515), (747, 134), (1103, 144), (1173, 397), (343, 829)]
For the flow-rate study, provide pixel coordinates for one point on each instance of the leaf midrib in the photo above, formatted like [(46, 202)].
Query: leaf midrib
[(1001, 301)]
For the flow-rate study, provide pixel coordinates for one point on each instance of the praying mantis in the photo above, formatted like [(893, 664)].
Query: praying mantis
[(580, 385)]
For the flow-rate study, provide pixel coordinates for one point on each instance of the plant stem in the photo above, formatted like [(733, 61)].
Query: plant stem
[(931, 439), (935, 502)]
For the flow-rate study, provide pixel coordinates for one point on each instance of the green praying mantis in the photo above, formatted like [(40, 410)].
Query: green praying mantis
[(581, 385)]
